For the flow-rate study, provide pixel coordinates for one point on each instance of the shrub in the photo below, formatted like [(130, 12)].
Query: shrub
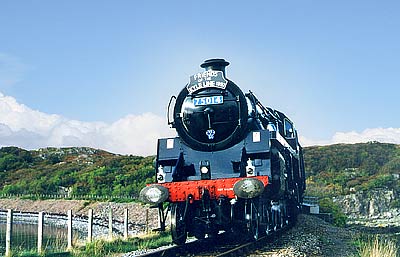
[(395, 203), (328, 206)]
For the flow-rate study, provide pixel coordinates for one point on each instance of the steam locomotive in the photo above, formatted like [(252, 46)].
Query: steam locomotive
[(235, 166)]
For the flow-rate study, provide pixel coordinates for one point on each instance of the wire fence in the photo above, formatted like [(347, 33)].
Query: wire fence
[(24, 234), (58, 233), (70, 196)]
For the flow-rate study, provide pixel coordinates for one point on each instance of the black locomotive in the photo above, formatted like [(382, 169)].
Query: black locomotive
[(236, 165)]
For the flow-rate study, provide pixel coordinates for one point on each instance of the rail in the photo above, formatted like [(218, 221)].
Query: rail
[(225, 244)]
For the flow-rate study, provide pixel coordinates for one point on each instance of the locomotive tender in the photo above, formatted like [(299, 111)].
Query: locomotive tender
[(236, 165)]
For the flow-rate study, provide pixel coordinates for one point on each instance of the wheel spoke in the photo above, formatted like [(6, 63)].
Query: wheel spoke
[(266, 219), (254, 222)]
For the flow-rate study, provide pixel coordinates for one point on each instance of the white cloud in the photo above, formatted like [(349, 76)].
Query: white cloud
[(23, 127), (383, 135), (133, 134), (310, 142)]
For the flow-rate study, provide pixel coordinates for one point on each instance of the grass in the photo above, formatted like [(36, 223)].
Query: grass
[(33, 253), (100, 248), (103, 248), (155, 241), (378, 247)]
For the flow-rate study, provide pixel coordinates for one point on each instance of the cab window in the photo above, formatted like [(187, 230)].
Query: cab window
[(289, 130)]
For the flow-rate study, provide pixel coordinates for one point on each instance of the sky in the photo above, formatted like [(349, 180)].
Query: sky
[(100, 73)]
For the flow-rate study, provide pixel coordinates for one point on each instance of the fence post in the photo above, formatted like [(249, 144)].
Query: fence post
[(90, 226), (40, 232), (110, 235), (147, 221), (9, 232), (126, 223), (69, 230)]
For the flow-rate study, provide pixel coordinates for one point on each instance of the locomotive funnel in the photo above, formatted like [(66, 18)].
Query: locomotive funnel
[(215, 64)]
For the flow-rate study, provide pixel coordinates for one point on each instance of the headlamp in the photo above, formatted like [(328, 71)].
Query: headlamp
[(248, 188), (154, 194)]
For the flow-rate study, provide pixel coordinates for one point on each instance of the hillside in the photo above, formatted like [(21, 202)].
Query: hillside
[(342, 169), (357, 183), (72, 171), (331, 170)]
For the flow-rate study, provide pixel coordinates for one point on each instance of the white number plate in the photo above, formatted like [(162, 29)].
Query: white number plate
[(208, 100)]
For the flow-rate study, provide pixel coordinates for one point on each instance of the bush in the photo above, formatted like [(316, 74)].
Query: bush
[(328, 206), (11, 189), (395, 203), (378, 181)]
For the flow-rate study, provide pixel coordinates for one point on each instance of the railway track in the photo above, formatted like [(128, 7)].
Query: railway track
[(223, 245), (311, 236)]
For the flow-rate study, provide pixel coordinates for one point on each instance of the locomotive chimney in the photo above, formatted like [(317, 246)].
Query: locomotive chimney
[(215, 64)]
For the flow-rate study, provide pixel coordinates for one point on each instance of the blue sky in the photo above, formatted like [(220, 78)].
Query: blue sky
[(69, 69)]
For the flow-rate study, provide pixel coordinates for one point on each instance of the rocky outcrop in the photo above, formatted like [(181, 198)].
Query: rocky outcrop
[(371, 208)]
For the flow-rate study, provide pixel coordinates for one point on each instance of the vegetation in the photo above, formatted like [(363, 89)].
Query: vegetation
[(104, 248), (72, 171), (34, 253), (341, 169), (328, 206), (378, 247), (330, 170)]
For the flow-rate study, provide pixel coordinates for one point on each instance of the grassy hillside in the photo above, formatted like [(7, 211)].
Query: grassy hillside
[(342, 169), (79, 171), (331, 170)]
